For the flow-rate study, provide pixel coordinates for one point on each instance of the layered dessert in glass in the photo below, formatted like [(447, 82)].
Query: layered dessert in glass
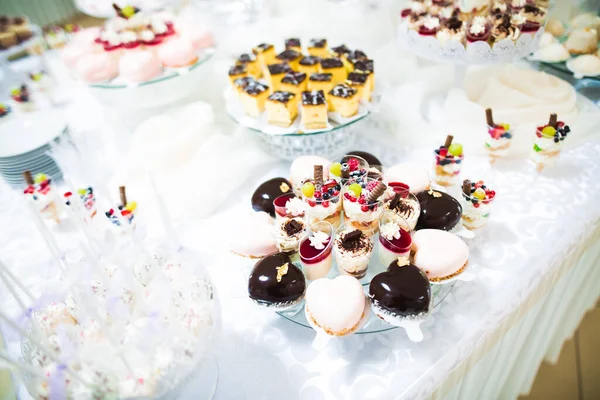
[(316, 250), (476, 201), (363, 204), (499, 137), (403, 206), (548, 142), (353, 250), (394, 241), (448, 159), (323, 199), (288, 205), (287, 234)]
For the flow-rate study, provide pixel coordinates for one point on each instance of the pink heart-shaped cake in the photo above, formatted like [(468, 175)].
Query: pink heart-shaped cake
[(335, 306)]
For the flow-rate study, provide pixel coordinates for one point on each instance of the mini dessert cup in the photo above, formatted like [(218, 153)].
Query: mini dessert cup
[(348, 168), (498, 139), (316, 250), (476, 200), (448, 163), (362, 206), (288, 205), (548, 143), (404, 207), (288, 233), (353, 251), (394, 241), (323, 202)]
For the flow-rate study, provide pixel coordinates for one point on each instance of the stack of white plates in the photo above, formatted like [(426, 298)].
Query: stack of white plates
[(25, 145)]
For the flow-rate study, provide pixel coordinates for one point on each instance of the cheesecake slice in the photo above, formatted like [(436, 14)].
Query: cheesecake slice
[(314, 110), (237, 71), (292, 57), (294, 82), (240, 83), (282, 108), (335, 67), (344, 100), (251, 63), (360, 82), (293, 44), (253, 97), (320, 81), (265, 53), (366, 66), (309, 65), (276, 72), (318, 48)]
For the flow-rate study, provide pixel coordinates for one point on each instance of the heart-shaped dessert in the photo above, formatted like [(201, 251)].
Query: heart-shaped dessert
[(439, 210), (276, 282), (441, 255), (335, 306), (400, 292), (262, 199)]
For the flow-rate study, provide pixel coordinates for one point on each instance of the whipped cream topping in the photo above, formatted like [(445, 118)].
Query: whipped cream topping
[(499, 5), (431, 22), (128, 37), (446, 34), (318, 240), (146, 35), (417, 7), (112, 37), (390, 231), (295, 206), (517, 19), (478, 25), (158, 26), (470, 5), (518, 3), (446, 12)]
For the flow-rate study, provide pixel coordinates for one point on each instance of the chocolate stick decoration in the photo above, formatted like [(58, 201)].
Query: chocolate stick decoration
[(553, 120), (28, 178), (449, 139), (466, 187), (489, 117), (376, 192), (318, 174), (394, 202), (345, 171), (123, 196)]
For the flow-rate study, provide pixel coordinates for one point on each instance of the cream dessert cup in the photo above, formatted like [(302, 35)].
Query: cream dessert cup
[(353, 251), (404, 206), (288, 232), (316, 250), (362, 206), (393, 241), (476, 201), (498, 140), (319, 209), (548, 144)]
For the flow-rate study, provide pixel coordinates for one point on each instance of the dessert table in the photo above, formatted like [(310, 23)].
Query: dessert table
[(534, 262)]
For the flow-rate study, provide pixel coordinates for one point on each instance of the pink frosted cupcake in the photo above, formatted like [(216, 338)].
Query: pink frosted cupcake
[(139, 66), (99, 67), (177, 53)]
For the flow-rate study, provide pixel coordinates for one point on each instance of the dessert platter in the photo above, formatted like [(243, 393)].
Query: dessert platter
[(301, 103), (15, 35), (572, 48), (473, 31), (137, 49), (381, 239)]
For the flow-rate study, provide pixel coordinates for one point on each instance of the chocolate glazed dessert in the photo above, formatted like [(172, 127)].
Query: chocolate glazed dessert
[(276, 282), (262, 199), (401, 290), (439, 210)]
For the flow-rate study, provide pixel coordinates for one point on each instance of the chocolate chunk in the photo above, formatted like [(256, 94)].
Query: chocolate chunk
[(352, 236), (243, 82), (292, 42), (281, 68), (328, 63), (320, 43), (438, 212), (358, 77), (394, 202), (454, 24), (292, 227), (357, 55), (246, 58), (327, 77), (401, 291), (282, 97), (309, 60), (529, 8), (368, 157), (237, 69), (255, 88), (294, 78), (262, 199), (364, 65), (288, 55), (314, 98), (266, 289), (343, 90), (339, 50), (261, 47)]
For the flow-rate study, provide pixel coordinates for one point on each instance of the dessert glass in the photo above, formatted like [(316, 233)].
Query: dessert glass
[(281, 209), (354, 263), (546, 149), (319, 210), (497, 142), (286, 243), (357, 170), (316, 263), (360, 214), (407, 213), (391, 247), (475, 212), (447, 169)]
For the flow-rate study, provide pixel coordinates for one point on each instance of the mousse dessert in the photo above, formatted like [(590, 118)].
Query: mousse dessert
[(353, 250), (401, 293), (267, 192), (323, 199), (87, 198), (4, 110), (448, 159), (548, 142), (439, 210), (288, 205), (287, 234), (22, 99), (316, 251), (479, 30), (363, 204), (41, 193), (498, 139), (440, 255), (403, 206), (476, 201), (275, 282), (394, 241), (125, 208)]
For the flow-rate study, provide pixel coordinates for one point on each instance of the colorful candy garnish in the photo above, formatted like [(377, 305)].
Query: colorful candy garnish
[(20, 94), (477, 193), (4, 110)]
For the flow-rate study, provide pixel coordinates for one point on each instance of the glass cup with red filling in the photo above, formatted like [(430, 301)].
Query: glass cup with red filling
[(288, 205), (430, 25), (316, 250), (323, 202), (394, 241), (448, 163), (363, 204), (347, 168), (403, 207)]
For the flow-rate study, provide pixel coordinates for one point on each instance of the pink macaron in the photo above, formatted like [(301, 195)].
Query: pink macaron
[(177, 53), (139, 66), (97, 67)]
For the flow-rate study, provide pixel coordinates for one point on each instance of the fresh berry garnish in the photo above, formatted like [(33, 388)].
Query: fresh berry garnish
[(326, 196), (336, 193), (476, 205), (336, 169), (364, 208), (355, 189), (455, 149), (312, 203), (347, 196), (68, 194), (318, 195), (353, 163), (548, 131), (325, 204), (362, 200), (443, 152)]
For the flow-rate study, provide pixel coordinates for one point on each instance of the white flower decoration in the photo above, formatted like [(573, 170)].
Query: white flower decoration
[(294, 206), (318, 240), (390, 231)]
